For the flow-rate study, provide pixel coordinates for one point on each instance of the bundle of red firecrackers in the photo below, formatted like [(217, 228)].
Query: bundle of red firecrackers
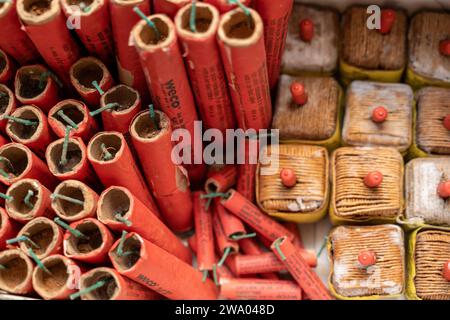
[(94, 206)]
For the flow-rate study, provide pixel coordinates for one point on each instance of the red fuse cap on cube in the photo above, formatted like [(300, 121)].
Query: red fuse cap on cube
[(444, 189), (288, 178), (387, 20), (379, 114), (444, 47), (446, 122), (299, 94), (306, 30), (367, 258), (446, 271), (373, 179)]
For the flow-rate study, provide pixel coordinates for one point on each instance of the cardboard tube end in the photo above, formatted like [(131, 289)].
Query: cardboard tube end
[(105, 146), (206, 21), (114, 200), (29, 83), (6, 100), (78, 246), (107, 292), (236, 30), (87, 70), (146, 38), (37, 12), (17, 160), (71, 211), (126, 97), (132, 252), (17, 208), (44, 233), (143, 127), (16, 276), (26, 133), (52, 285), (75, 154)]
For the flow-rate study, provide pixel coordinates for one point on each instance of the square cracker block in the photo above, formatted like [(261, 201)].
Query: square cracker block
[(422, 177), (362, 98), (351, 198), (433, 105), (314, 121), (426, 30), (369, 49), (385, 278), (432, 251), (321, 54), (310, 194)]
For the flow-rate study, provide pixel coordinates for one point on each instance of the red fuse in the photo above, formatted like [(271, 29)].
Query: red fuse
[(18, 162), (73, 200), (204, 234), (13, 40), (107, 284), (204, 65), (241, 41), (225, 5), (123, 18), (88, 240), (7, 68), (36, 85), (152, 140), (127, 102), (75, 114), (18, 266), (92, 27), (28, 125), (41, 235), (120, 210), (155, 268), (28, 199), (169, 7), (90, 77), (250, 214), (44, 277), (67, 159), (7, 106), (259, 289), (299, 269), (111, 158), (275, 16), (46, 27)]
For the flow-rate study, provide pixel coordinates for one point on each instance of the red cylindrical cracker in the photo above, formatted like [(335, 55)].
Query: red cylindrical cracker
[(35, 85), (241, 41), (78, 114), (259, 289), (92, 27), (13, 39), (165, 72), (46, 27), (20, 162), (123, 19), (169, 7), (7, 68), (111, 158), (90, 247), (46, 237), (159, 270), (275, 16), (116, 287), (232, 225), (7, 106), (251, 247), (225, 246), (225, 6), (204, 66), (8, 229), (168, 181), (18, 266), (204, 233), (120, 210), (45, 284), (250, 214), (77, 166), (84, 72), (30, 200), (299, 269), (34, 133), (82, 202), (120, 117), (293, 227), (222, 180)]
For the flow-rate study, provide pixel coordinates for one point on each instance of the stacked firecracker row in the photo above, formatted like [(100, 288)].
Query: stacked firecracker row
[(95, 207)]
